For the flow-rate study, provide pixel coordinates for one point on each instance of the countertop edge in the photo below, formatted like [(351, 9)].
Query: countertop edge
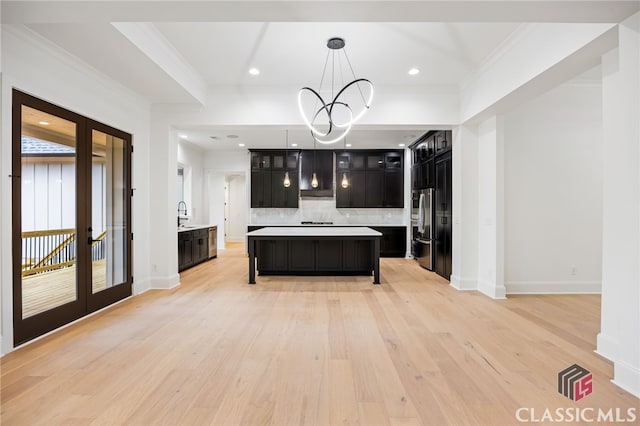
[(195, 227)]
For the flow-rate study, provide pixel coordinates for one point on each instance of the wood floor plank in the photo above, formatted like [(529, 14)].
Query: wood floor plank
[(308, 351)]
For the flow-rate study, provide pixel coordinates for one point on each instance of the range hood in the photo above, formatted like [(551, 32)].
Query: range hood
[(322, 164)]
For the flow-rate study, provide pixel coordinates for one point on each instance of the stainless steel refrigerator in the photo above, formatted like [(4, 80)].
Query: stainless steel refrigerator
[(422, 224)]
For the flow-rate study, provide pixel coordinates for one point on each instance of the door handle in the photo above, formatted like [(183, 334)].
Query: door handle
[(91, 241)]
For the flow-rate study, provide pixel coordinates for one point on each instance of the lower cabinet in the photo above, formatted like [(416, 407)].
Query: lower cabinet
[(312, 256), (193, 248), (393, 242), (329, 255), (302, 256), (356, 256)]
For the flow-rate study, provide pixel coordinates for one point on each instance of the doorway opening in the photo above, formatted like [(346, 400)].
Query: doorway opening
[(235, 208)]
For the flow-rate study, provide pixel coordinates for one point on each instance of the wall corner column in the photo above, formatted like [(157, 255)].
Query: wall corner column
[(163, 204), (619, 337), (491, 207), (464, 270)]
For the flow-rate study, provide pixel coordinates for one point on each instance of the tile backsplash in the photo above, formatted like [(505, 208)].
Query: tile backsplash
[(324, 210)]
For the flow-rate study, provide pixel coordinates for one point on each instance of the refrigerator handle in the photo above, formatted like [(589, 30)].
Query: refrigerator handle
[(421, 213), (430, 215)]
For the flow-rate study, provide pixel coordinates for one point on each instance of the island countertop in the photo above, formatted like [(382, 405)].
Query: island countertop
[(314, 231), (309, 250)]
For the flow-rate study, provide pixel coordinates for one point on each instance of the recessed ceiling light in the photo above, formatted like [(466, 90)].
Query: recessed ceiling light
[(182, 135), (400, 144), (240, 145), (232, 136), (414, 71), (254, 71), (348, 145), (294, 144), (213, 137), (44, 123)]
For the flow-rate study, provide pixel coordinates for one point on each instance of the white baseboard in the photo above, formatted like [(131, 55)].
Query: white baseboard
[(606, 346), (627, 377), (491, 290), (463, 284), (165, 283), (141, 286), (553, 287)]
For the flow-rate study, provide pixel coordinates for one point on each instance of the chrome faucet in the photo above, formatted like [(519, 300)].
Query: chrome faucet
[(181, 211)]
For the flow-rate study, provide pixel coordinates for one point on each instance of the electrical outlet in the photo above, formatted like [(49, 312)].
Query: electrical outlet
[(573, 270)]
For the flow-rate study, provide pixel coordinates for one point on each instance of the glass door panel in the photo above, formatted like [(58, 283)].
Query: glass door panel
[(48, 211), (108, 211), (71, 216)]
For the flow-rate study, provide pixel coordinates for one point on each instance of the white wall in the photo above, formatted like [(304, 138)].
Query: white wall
[(553, 191), (527, 56), (196, 198), (491, 207), (464, 268), (33, 65), (236, 222), (219, 165)]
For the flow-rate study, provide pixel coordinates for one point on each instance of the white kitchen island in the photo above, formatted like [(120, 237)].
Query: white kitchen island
[(326, 250)]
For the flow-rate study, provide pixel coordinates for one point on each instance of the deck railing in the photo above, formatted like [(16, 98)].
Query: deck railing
[(51, 249)]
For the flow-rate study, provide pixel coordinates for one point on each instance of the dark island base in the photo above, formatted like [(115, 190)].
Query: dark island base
[(317, 273), (316, 256)]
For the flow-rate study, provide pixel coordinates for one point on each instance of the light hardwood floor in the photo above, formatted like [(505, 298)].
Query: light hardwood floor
[(309, 350)]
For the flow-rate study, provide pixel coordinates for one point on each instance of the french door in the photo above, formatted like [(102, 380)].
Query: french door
[(71, 195)]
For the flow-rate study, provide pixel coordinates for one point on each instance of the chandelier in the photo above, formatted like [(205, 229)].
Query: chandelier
[(330, 120)]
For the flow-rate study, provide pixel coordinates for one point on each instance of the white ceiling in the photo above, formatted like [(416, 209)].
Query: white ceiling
[(206, 44), (293, 53)]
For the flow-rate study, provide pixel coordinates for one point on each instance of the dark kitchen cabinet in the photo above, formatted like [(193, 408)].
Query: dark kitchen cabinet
[(393, 188), (302, 255), (393, 242), (376, 179), (201, 244), (442, 140), (443, 217), (193, 248), (354, 194), (374, 189), (280, 195), (273, 255), (356, 256), (185, 250), (319, 162), (328, 255), (422, 175), (268, 170), (261, 188), (425, 152)]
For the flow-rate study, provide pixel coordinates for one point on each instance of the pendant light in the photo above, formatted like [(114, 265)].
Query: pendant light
[(287, 181), (314, 178), (345, 182), (331, 120)]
